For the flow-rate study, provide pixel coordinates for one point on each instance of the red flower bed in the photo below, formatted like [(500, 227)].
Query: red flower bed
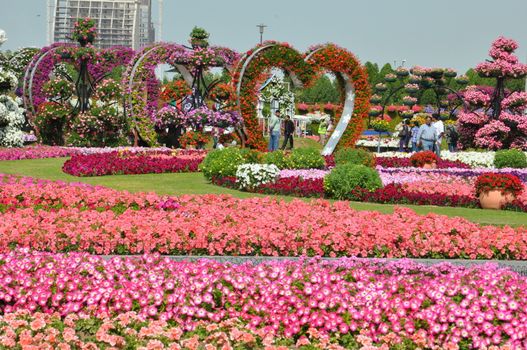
[(389, 194), (396, 162), (116, 163)]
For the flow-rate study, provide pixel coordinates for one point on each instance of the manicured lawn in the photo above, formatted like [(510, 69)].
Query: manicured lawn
[(194, 183)]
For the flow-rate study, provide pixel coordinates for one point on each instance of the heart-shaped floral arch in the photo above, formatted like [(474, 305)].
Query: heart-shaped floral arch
[(352, 77)]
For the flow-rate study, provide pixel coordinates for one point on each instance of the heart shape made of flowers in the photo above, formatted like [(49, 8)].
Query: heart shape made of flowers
[(303, 70)]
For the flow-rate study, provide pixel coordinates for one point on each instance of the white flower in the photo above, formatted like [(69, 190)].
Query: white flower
[(253, 175)]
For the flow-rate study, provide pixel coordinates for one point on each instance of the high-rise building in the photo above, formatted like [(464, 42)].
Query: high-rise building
[(118, 22)]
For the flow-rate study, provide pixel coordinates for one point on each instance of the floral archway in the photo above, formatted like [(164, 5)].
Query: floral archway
[(303, 69), (142, 88), (251, 71), (355, 91)]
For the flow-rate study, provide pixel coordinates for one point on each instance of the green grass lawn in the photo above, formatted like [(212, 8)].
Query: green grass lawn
[(194, 183)]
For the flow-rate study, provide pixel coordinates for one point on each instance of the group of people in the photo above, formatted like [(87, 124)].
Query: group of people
[(427, 137), (275, 131), (275, 126)]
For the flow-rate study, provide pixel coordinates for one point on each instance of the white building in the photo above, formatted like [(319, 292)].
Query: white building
[(119, 22)]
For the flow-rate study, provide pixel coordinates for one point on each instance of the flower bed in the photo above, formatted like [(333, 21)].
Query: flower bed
[(40, 152), (474, 159), (119, 163), (347, 302), (45, 217)]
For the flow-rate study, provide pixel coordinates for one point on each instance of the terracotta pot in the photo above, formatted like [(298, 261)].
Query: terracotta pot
[(430, 165), (494, 199)]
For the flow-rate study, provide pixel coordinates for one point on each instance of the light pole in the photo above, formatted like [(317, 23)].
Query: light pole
[(261, 26)]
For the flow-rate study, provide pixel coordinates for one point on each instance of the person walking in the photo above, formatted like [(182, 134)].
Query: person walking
[(404, 135), (415, 131), (215, 136), (451, 137), (289, 130), (322, 131), (274, 131), (440, 128), (427, 136)]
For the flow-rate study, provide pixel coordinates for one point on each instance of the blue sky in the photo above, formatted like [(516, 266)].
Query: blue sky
[(446, 33)]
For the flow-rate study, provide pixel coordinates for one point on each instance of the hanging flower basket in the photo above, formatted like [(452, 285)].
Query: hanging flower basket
[(380, 125), (414, 79), (407, 114), (402, 72), (450, 73), (462, 80), (436, 73), (427, 82), (409, 101), (443, 103), (411, 88), (374, 112), (375, 99), (390, 78), (381, 87)]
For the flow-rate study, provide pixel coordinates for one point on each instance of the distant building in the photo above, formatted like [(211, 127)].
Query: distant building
[(119, 22)]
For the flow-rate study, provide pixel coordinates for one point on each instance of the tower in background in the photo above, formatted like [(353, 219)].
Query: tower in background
[(119, 22)]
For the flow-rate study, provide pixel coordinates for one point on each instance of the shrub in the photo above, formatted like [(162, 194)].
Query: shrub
[(510, 158), (506, 183), (249, 176), (278, 158), (306, 158), (425, 157), (354, 156), (251, 155), (345, 178), (222, 162)]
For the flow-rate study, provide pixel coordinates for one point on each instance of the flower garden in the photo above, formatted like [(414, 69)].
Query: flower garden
[(86, 266)]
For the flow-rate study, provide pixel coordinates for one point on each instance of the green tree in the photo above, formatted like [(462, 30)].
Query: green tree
[(322, 91), (373, 73)]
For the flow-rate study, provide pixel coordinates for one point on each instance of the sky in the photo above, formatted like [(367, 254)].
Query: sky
[(432, 33)]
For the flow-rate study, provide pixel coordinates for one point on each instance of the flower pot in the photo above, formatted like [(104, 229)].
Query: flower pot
[(494, 199), (430, 165)]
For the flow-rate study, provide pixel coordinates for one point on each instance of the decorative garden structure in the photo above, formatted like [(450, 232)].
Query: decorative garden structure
[(303, 69), (414, 82), (498, 120), (92, 67), (143, 88)]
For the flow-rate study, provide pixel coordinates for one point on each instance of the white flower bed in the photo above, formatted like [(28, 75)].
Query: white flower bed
[(474, 159), (253, 175), (385, 142), (11, 122)]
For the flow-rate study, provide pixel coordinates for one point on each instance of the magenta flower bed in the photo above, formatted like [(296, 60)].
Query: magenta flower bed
[(35, 152), (125, 163), (440, 306), (59, 217), (397, 162)]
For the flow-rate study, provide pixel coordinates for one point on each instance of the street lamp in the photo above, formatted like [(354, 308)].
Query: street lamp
[(261, 26)]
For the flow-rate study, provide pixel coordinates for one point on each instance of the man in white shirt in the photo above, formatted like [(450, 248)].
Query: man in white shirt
[(274, 131), (440, 128)]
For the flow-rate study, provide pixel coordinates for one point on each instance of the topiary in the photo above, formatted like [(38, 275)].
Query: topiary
[(345, 178), (278, 158), (510, 158), (354, 156), (306, 158), (221, 163)]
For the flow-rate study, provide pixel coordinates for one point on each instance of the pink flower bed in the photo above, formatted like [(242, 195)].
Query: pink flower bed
[(40, 151), (125, 163), (348, 302), (44, 217)]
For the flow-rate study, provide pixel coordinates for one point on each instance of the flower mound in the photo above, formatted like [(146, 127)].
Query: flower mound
[(348, 300), (421, 158), (505, 183), (59, 217), (129, 163)]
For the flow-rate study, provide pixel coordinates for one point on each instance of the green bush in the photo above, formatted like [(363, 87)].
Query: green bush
[(278, 158), (354, 156), (346, 177), (510, 158), (306, 158), (251, 155), (222, 162)]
